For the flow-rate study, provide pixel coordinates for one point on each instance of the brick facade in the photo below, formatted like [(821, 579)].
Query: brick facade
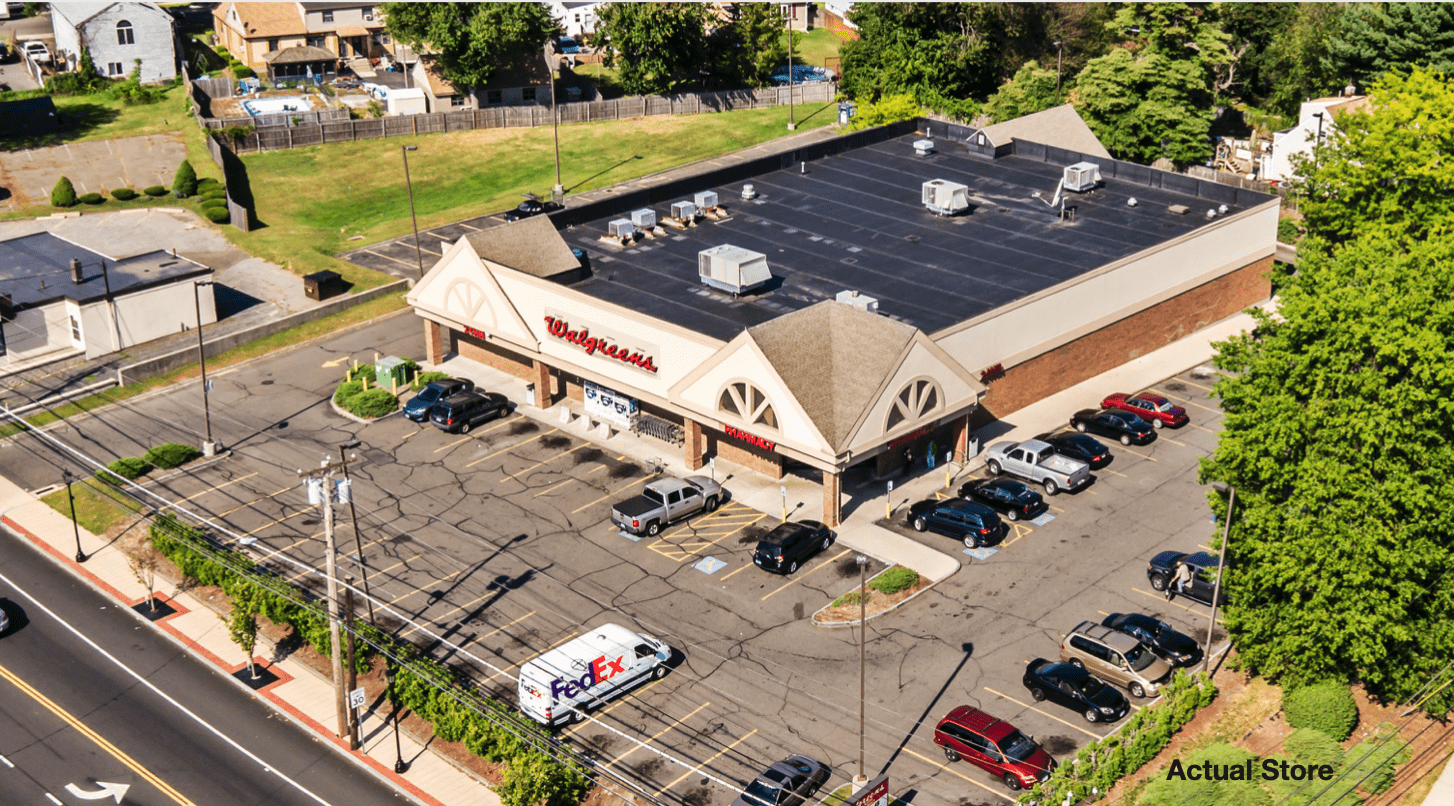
[(695, 444), (544, 385), (755, 459), (433, 343), (1125, 340), (832, 499), (492, 356)]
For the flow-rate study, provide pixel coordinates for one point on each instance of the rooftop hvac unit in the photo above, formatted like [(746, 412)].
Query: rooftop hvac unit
[(1082, 176), (644, 219), (855, 300), (683, 210), (732, 268), (705, 199), (622, 228), (945, 197), (923, 147)]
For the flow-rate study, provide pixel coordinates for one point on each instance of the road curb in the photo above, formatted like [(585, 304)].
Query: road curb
[(833, 625)]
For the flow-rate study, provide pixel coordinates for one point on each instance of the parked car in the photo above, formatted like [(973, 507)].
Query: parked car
[(1079, 446), (1162, 569), (1153, 408), (1171, 646), (461, 412), (664, 501), (790, 544), (976, 524), (417, 409), (787, 783), (1116, 657), (993, 745), (531, 207), (1037, 462), (1075, 688), (1122, 425), (1010, 498), (37, 51)]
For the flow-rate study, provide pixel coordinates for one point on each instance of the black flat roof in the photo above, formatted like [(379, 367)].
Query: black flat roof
[(855, 221), (29, 261)]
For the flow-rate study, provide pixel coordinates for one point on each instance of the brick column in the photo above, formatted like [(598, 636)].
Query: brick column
[(961, 439), (544, 395), (695, 444), (433, 342), (832, 498)]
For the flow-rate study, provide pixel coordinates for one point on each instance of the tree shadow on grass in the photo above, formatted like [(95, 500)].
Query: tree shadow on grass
[(77, 120)]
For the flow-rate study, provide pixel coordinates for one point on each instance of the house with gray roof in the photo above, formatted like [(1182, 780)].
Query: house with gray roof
[(118, 35)]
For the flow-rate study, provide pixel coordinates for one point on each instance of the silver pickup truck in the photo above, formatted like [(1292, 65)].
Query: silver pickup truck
[(1037, 462), (665, 501)]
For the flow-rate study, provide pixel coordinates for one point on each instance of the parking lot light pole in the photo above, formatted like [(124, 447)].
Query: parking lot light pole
[(400, 765), (418, 253), (209, 448), (1231, 493), (75, 521), (788, 18), (862, 779)]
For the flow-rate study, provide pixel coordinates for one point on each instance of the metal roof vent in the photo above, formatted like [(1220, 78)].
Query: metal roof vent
[(943, 197), (622, 228), (748, 192), (76, 271), (683, 210), (1222, 210), (732, 268), (854, 300), (1131, 202), (1082, 176), (1211, 214), (644, 219), (706, 199), (923, 147)]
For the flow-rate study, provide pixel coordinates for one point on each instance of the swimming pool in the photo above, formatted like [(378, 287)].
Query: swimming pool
[(274, 105)]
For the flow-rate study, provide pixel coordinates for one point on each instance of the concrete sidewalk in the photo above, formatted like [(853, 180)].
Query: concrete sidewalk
[(299, 692)]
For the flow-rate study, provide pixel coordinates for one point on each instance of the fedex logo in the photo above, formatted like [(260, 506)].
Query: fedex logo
[(600, 671)]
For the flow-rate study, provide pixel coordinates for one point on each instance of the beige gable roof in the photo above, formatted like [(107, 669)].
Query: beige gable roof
[(531, 245), (833, 359), (1059, 126), (434, 73), (268, 19)]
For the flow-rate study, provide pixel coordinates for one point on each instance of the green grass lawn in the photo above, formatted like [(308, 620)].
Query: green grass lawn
[(96, 117), (99, 506), (815, 46)]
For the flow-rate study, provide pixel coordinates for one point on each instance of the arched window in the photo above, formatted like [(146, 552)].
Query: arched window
[(913, 402), (748, 402), (124, 35)]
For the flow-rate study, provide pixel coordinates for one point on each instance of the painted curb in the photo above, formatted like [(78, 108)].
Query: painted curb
[(854, 623)]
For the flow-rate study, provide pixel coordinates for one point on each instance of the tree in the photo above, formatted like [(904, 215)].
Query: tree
[(1337, 438), (1144, 107), (660, 47), (1385, 166), (1253, 30), (1299, 60), (63, 194), (144, 559), (473, 40), (756, 39), (1031, 90), (242, 621), (1376, 38), (184, 184)]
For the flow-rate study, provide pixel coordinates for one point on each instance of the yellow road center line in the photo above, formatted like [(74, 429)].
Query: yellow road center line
[(941, 765), (613, 492), (512, 447), (543, 461), (96, 738), (656, 735), (555, 487), (1041, 712), (800, 577), (698, 768)]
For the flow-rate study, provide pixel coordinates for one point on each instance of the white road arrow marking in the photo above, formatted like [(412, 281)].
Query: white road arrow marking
[(117, 791)]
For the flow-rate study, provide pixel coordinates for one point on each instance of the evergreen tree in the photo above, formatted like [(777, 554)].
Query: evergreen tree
[(63, 194), (1378, 37), (184, 184)]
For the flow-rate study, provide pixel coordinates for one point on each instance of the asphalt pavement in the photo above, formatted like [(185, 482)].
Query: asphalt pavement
[(93, 700)]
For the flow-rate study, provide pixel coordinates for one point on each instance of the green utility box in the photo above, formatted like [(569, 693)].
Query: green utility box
[(391, 372)]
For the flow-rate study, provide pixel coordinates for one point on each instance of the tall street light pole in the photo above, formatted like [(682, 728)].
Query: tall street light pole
[(788, 18), (862, 778), (400, 765), (550, 64), (209, 448), (1059, 51), (418, 253), (75, 524), (1231, 493)]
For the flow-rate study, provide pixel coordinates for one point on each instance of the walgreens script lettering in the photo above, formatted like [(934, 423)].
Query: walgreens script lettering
[(582, 338)]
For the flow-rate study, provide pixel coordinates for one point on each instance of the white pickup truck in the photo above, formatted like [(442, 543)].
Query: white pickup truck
[(1037, 462)]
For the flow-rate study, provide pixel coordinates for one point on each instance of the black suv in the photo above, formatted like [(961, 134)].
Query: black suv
[(1010, 497), (792, 544), (1162, 570), (1114, 423), (461, 412), (417, 409), (976, 524)]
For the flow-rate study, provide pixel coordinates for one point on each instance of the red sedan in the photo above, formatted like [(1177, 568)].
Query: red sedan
[(1154, 408)]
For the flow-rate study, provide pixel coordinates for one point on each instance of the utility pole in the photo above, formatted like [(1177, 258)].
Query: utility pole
[(1059, 51), (557, 193), (1221, 569), (418, 253), (862, 779), (209, 448), (318, 482), (350, 673)]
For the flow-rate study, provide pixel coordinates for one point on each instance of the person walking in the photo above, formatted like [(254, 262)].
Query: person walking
[(908, 459), (1178, 582)]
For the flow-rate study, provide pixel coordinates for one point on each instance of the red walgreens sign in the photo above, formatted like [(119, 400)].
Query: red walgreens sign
[(875, 793), (750, 439), (583, 339)]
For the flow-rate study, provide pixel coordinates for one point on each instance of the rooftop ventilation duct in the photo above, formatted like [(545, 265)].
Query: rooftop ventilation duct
[(706, 199), (943, 197), (732, 268), (923, 147), (644, 219), (1082, 176), (749, 192), (1131, 202), (859, 302)]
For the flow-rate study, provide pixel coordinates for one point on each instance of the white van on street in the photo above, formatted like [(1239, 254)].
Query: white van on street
[(562, 683)]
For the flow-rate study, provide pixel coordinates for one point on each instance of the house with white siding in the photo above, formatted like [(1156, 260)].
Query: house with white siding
[(117, 36)]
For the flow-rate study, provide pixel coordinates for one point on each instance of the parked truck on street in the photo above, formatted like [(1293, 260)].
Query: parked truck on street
[(1037, 462), (664, 501)]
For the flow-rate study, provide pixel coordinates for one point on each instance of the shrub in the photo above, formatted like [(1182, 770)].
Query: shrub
[(1287, 231), (213, 202), (1328, 707), (123, 194), (155, 191), (1310, 746), (895, 580), (63, 194), (92, 198), (130, 468), (376, 109), (886, 110), (216, 194), (1374, 759), (171, 454), (1168, 792), (217, 215), (372, 403), (224, 53), (208, 184), (850, 598), (364, 371), (425, 378), (345, 392), (184, 184)]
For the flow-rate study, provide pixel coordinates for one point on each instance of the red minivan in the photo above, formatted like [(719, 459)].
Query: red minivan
[(993, 745)]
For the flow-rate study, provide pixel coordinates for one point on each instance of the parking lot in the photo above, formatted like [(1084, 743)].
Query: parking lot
[(499, 542)]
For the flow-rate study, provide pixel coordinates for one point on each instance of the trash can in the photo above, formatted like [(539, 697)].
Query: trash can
[(391, 372), (530, 394), (322, 285)]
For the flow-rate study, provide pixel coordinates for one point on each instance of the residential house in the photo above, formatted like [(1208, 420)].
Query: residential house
[(1060, 126), (1315, 124), (523, 83), (440, 94), (576, 19), (251, 31), (117, 35)]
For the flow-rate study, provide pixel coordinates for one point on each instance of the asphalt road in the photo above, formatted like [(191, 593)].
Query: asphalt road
[(120, 704), (499, 542)]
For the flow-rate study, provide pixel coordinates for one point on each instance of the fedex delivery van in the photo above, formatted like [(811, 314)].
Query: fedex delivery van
[(587, 671)]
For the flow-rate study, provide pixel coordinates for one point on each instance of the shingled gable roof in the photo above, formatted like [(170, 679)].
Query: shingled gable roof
[(833, 359), (530, 245), (1058, 126)]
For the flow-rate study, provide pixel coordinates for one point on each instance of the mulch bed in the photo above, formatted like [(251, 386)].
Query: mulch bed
[(878, 602)]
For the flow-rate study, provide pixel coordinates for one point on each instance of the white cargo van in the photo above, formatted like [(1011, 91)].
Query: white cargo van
[(588, 670)]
